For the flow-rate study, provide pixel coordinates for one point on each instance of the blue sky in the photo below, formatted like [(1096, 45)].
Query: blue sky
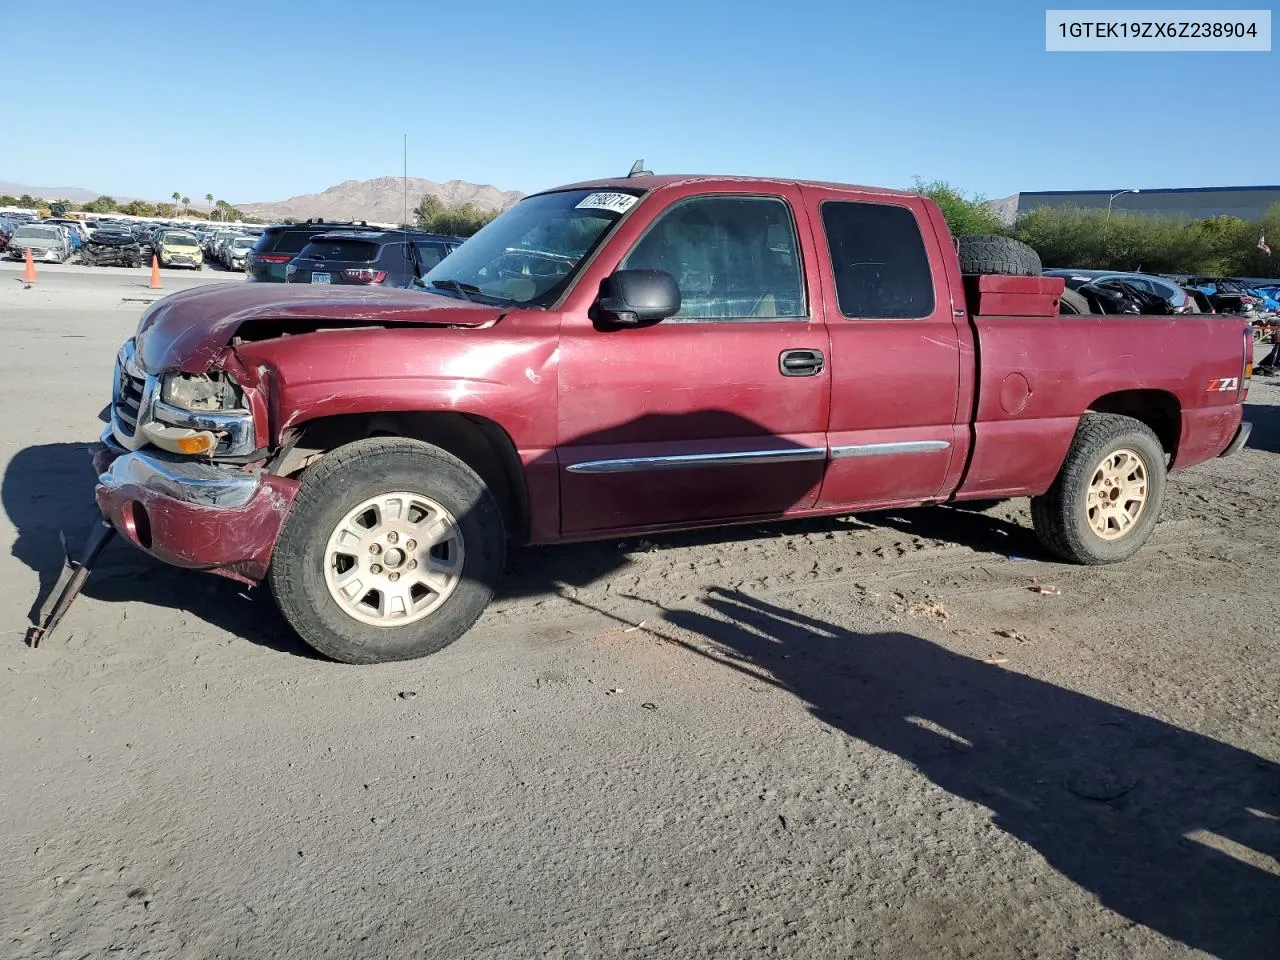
[(268, 100)]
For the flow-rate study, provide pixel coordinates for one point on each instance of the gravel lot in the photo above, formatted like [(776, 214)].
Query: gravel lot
[(862, 737)]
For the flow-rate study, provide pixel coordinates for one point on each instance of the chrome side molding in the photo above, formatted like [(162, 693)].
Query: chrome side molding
[(888, 449), (684, 461)]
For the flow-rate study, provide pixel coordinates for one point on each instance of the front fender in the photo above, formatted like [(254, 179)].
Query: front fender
[(507, 377)]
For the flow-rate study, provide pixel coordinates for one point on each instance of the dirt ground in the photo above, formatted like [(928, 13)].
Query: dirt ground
[(865, 737)]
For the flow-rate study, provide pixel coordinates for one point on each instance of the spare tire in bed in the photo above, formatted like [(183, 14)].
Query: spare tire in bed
[(1002, 255)]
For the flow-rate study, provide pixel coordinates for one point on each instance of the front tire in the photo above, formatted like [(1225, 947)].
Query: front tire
[(1106, 499), (391, 551)]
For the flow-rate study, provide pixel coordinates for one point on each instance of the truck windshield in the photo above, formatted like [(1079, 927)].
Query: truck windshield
[(532, 252)]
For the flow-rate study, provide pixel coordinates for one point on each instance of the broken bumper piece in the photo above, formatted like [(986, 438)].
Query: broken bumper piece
[(192, 513)]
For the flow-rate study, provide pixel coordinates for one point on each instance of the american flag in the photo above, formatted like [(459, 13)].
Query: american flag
[(1262, 244)]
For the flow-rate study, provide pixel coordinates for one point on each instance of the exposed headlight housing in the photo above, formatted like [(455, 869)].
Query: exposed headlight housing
[(201, 414), (211, 392)]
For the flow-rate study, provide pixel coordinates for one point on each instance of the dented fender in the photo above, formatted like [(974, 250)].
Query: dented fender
[(506, 374)]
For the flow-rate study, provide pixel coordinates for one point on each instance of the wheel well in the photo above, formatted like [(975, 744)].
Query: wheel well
[(480, 443), (1158, 409)]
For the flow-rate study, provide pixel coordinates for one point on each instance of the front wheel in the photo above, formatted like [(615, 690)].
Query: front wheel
[(1106, 499), (391, 551)]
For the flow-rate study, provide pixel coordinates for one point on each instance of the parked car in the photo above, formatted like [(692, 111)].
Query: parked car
[(6, 231), (71, 229), (280, 243), (391, 258), (1228, 295), (212, 243), (1176, 298), (593, 364), (236, 250), (47, 242), (221, 247), (111, 248), (179, 248)]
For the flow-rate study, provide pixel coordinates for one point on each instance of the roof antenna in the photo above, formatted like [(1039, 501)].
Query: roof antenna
[(638, 170)]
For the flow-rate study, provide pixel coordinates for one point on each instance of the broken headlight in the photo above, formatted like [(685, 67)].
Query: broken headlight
[(204, 393), (201, 414)]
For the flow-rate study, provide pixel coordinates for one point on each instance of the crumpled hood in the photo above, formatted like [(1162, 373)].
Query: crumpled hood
[(186, 331)]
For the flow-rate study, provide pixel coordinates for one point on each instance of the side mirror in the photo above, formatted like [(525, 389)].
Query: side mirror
[(637, 298)]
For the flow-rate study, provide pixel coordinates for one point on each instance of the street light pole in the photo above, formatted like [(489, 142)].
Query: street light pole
[(1111, 200)]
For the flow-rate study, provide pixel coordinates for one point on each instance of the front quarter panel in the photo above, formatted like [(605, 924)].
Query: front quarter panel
[(505, 373)]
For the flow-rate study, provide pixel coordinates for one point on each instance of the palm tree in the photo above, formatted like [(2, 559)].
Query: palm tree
[(186, 206), (209, 200), (176, 197)]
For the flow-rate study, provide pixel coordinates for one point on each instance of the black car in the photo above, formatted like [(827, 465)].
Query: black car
[(281, 242), (111, 248), (391, 258)]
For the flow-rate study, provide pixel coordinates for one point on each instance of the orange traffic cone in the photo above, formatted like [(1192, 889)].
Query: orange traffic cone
[(155, 272), (29, 274)]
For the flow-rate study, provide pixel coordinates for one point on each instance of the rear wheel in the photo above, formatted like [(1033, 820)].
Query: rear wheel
[(1106, 499), (391, 551)]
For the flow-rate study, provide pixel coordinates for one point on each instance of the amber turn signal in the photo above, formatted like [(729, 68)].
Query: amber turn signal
[(200, 443)]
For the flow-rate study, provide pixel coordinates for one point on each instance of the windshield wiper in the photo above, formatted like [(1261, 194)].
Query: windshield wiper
[(466, 289)]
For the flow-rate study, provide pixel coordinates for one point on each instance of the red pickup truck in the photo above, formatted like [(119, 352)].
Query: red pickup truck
[(632, 355)]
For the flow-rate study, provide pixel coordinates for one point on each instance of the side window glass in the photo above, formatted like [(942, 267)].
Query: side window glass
[(879, 261), (733, 258), (429, 254)]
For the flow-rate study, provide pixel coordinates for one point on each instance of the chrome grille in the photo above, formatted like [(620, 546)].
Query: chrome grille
[(129, 398), (132, 396)]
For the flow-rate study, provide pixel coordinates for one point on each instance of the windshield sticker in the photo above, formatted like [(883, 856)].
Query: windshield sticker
[(617, 202)]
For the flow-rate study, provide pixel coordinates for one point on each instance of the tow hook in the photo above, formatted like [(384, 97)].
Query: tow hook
[(70, 582)]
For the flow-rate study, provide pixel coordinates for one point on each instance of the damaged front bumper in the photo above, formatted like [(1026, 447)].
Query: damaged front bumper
[(192, 513)]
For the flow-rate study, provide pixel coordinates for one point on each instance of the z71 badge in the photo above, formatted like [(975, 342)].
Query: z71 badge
[(1223, 385)]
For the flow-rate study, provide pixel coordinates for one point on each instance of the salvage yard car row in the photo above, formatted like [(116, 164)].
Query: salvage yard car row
[(120, 243)]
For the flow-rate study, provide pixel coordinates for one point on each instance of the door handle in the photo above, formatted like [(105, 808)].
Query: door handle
[(801, 363)]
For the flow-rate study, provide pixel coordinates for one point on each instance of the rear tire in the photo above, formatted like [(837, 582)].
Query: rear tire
[(1106, 499), (307, 569), (999, 255)]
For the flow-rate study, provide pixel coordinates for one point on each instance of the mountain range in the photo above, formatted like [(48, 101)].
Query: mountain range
[(380, 200), (74, 194)]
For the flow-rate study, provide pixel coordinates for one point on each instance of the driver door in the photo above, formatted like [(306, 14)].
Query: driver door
[(718, 413)]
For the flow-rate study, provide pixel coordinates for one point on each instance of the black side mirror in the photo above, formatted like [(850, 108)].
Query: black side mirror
[(637, 298)]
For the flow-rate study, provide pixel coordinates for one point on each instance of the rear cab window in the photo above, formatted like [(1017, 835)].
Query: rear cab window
[(878, 260)]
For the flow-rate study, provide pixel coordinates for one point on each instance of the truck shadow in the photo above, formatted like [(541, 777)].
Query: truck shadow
[(1266, 426), (1169, 828), (534, 571), (47, 493)]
